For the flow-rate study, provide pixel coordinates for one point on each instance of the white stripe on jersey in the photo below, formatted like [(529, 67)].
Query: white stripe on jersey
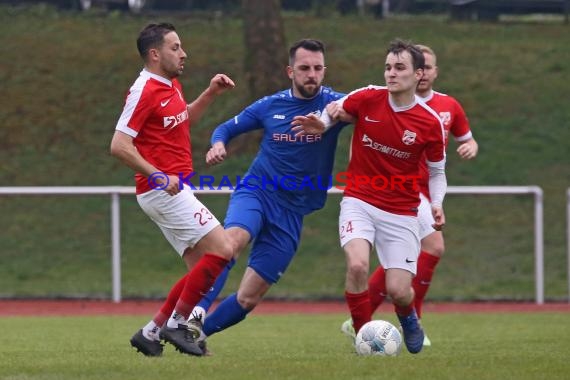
[(135, 93), (465, 137), (432, 111)]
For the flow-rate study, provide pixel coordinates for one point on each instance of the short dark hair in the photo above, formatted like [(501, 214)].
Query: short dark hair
[(152, 36), (307, 44), (398, 46)]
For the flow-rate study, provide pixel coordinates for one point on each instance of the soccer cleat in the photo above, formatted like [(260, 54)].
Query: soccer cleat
[(195, 326), (204, 348), (182, 339), (146, 346), (427, 342), (348, 329), (413, 332)]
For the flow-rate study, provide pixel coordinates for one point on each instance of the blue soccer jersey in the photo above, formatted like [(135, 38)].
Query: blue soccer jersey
[(294, 172)]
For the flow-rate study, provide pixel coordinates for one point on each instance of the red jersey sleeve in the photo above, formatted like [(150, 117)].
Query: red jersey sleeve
[(138, 107), (460, 124), (142, 109), (354, 99), (435, 148)]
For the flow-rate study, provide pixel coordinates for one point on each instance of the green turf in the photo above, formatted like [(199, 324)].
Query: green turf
[(76, 67), (476, 346)]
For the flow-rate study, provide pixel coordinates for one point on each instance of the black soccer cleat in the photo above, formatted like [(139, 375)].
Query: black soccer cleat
[(146, 346), (182, 339)]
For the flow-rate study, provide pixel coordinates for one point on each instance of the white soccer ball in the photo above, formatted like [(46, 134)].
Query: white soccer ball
[(378, 338)]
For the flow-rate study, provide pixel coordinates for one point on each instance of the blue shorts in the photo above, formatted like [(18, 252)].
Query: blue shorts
[(274, 229)]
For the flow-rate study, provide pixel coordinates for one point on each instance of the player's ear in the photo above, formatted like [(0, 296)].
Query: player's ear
[(290, 72), (419, 74), (153, 55)]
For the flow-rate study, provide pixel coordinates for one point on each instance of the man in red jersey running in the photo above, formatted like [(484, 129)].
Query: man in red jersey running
[(152, 137), (393, 132), (432, 244)]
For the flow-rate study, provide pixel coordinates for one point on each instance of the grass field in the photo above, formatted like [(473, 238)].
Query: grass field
[(465, 346)]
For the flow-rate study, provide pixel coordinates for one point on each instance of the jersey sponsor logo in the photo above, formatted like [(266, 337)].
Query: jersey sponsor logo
[(285, 137), (445, 117), (409, 261), (165, 103), (279, 117), (172, 121), (366, 118), (369, 143), (409, 137)]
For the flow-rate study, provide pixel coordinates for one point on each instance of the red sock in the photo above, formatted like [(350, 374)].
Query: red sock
[(168, 306), (404, 311), (422, 281), (377, 287), (359, 305), (199, 281)]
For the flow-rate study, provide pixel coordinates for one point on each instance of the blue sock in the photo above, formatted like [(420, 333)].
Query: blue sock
[(228, 313), (210, 297)]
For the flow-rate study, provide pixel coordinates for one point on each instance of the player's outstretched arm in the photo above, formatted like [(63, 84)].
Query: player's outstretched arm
[(219, 84), (468, 149), (313, 125), (308, 125)]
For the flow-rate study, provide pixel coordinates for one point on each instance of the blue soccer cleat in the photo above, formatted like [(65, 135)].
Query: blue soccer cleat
[(413, 332)]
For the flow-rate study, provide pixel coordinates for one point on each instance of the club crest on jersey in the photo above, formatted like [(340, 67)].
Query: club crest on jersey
[(409, 137), (445, 117)]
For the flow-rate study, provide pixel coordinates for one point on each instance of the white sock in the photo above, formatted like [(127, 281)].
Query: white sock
[(198, 312), (175, 320), (151, 331)]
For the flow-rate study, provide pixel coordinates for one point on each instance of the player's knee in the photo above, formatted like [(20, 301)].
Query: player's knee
[(439, 250), (358, 270), (436, 250), (238, 240), (434, 245), (226, 250), (400, 295), (248, 302)]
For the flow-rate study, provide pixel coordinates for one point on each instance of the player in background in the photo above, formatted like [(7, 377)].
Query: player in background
[(152, 137), (432, 242), (394, 132), (287, 180)]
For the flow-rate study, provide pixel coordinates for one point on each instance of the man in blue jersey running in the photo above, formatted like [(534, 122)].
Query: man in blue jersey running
[(287, 180)]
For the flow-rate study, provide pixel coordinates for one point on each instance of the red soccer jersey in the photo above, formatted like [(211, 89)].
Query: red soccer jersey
[(155, 115), (387, 147), (454, 120)]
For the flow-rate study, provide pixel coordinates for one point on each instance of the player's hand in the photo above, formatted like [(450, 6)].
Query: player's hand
[(439, 217), (216, 154), (338, 113), (468, 150), (173, 188), (307, 125), (220, 83)]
